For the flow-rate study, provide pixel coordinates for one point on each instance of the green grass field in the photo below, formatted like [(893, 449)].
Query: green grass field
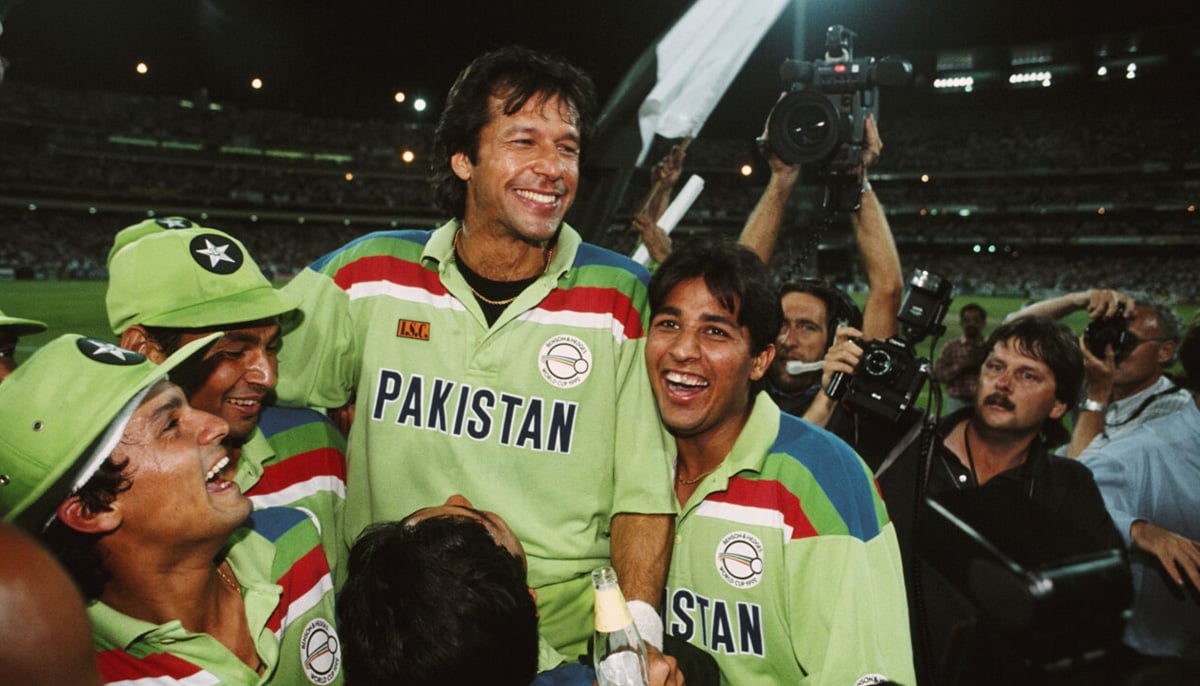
[(78, 307)]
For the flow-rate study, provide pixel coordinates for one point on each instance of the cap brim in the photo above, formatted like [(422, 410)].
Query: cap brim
[(38, 507), (247, 306), (21, 327)]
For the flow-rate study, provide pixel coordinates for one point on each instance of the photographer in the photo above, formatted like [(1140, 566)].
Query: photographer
[(996, 447), (809, 314), (1125, 383)]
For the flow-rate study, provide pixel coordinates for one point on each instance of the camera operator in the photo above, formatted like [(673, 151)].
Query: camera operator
[(1125, 385), (998, 446), (811, 312)]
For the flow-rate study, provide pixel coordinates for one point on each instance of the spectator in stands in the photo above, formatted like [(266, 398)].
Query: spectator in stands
[(11, 330), (997, 447), (957, 365), (173, 282), (1127, 386), (440, 598), (45, 638), (663, 178), (105, 459), (1150, 480)]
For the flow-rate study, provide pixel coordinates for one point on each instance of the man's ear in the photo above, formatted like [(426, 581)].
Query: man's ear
[(76, 515), (1059, 409), (1165, 352), (461, 164), (761, 362), (136, 339)]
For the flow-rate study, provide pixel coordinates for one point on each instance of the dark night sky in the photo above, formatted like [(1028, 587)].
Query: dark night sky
[(345, 57)]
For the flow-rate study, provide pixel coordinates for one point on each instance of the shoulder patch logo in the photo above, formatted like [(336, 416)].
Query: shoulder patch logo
[(565, 361), (216, 254), (408, 328), (320, 652), (739, 559), (99, 351)]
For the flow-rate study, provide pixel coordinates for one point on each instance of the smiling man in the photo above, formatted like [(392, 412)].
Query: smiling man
[(171, 282), (103, 458), (499, 355), (785, 567)]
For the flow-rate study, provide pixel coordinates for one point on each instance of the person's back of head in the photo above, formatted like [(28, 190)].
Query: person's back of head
[(45, 637), (437, 601)]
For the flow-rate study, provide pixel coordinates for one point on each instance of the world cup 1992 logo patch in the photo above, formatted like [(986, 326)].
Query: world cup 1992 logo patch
[(320, 652), (740, 559), (565, 361)]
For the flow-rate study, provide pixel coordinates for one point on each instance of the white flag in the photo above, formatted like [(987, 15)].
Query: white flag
[(697, 60)]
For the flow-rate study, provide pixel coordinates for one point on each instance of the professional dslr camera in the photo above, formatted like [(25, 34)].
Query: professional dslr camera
[(1109, 331), (890, 375), (820, 122)]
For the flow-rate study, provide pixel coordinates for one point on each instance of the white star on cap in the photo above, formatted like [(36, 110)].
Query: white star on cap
[(175, 223), (109, 349), (215, 253)]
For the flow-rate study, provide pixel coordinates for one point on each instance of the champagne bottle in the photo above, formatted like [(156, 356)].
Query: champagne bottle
[(619, 654)]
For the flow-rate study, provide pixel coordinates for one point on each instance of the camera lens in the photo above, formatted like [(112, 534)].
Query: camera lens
[(878, 362), (803, 127)]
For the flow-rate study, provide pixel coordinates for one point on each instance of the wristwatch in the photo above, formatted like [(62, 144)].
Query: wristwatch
[(1089, 405)]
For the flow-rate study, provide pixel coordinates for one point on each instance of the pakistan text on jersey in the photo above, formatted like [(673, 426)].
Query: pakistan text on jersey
[(722, 629), (456, 409)]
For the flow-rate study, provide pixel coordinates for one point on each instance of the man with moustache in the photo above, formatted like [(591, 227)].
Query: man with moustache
[(998, 446)]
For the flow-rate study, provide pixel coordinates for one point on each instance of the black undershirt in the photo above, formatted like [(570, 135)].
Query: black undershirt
[(499, 291)]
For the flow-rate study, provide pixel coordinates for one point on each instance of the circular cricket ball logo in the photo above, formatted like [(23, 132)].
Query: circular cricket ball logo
[(320, 652), (740, 559), (565, 361)]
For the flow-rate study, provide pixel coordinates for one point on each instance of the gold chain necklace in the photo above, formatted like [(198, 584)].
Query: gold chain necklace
[(229, 581), (549, 255), (689, 482)]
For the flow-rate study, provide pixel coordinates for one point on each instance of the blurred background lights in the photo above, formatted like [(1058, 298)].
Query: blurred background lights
[(142, 68), (419, 104), (256, 83)]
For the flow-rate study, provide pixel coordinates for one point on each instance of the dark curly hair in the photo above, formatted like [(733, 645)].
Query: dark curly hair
[(76, 550), (515, 75)]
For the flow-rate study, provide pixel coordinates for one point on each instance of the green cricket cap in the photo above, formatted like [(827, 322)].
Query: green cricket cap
[(62, 413), (20, 327), (171, 272)]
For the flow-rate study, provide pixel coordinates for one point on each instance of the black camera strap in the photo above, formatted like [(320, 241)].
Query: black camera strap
[(1142, 408)]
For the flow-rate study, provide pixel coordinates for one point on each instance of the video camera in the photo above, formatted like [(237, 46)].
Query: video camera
[(820, 122), (890, 375)]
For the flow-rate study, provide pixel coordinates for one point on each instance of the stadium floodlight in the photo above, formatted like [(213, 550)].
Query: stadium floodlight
[(965, 82)]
